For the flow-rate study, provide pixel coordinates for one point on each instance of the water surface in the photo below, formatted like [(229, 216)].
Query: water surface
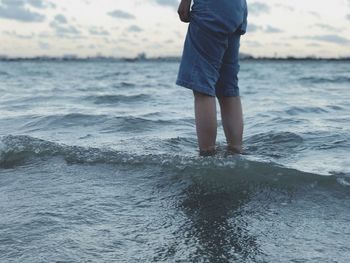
[(99, 163)]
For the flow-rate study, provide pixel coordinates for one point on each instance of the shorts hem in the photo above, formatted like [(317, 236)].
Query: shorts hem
[(193, 87), (229, 94)]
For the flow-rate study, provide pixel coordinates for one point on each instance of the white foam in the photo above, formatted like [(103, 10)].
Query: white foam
[(2, 149)]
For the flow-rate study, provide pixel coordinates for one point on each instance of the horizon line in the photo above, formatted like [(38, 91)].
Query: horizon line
[(143, 57)]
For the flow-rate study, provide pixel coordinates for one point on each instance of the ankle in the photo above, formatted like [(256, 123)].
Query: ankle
[(210, 151), (237, 149)]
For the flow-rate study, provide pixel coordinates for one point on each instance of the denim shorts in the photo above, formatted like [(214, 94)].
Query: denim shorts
[(210, 62)]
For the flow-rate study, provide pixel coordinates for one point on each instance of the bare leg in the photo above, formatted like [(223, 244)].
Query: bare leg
[(206, 123), (232, 120)]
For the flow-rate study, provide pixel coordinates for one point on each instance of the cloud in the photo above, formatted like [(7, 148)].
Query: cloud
[(258, 8), (98, 31), (328, 27), (64, 29), (271, 29), (121, 14), (20, 36), (252, 43), (335, 39), (134, 28), (44, 45), (172, 3), (313, 45), (252, 28), (19, 10), (281, 44), (315, 14), (286, 7), (19, 13), (332, 39), (61, 19), (40, 4)]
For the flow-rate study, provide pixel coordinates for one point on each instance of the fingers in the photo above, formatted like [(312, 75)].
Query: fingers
[(184, 14), (184, 10), (185, 17)]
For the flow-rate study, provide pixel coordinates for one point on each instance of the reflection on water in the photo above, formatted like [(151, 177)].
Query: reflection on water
[(216, 220)]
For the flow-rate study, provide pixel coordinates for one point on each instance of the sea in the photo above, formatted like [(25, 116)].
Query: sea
[(99, 163)]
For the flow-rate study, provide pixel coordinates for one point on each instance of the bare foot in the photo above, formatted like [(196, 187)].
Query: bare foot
[(209, 152), (235, 149)]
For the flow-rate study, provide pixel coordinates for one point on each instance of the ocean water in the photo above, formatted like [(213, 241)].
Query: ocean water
[(99, 163)]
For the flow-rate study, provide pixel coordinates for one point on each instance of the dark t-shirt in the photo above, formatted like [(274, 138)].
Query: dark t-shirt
[(220, 16)]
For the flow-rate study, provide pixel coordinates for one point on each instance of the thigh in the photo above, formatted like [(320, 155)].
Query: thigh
[(227, 84), (202, 59)]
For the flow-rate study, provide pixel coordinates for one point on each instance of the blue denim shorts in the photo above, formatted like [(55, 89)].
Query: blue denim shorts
[(210, 62)]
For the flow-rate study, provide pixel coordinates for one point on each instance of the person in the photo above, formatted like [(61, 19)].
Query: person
[(210, 65)]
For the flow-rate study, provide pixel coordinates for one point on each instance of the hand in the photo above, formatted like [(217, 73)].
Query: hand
[(184, 10)]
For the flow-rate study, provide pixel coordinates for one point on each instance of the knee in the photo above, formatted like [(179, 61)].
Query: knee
[(199, 95)]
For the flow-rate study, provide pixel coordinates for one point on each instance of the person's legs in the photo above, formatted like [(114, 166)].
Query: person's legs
[(227, 91), (199, 71), (206, 123), (232, 121)]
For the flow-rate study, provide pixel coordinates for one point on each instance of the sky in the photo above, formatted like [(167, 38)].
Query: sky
[(125, 28)]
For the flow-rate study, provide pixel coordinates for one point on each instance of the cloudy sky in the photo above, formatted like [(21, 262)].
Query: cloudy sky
[(128, 27)]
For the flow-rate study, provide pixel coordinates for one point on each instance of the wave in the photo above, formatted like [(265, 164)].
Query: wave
[(4, 73), (274, 144), (64, 120), (335, 107), (104, 122), (114, 99), (125, 84), (283, 144), (302, 110), (318, 80), (26, 100), (20, 149), (335, 144), (112, 75)]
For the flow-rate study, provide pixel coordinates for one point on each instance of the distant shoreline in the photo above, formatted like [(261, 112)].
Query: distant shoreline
[(156, 59)]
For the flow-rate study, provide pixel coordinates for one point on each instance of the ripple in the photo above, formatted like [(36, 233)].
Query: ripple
[(127, 84), (320, 80), (115, 99), (4, 73), (112, 75), (274, 144), (105, 123), (301, 110)]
